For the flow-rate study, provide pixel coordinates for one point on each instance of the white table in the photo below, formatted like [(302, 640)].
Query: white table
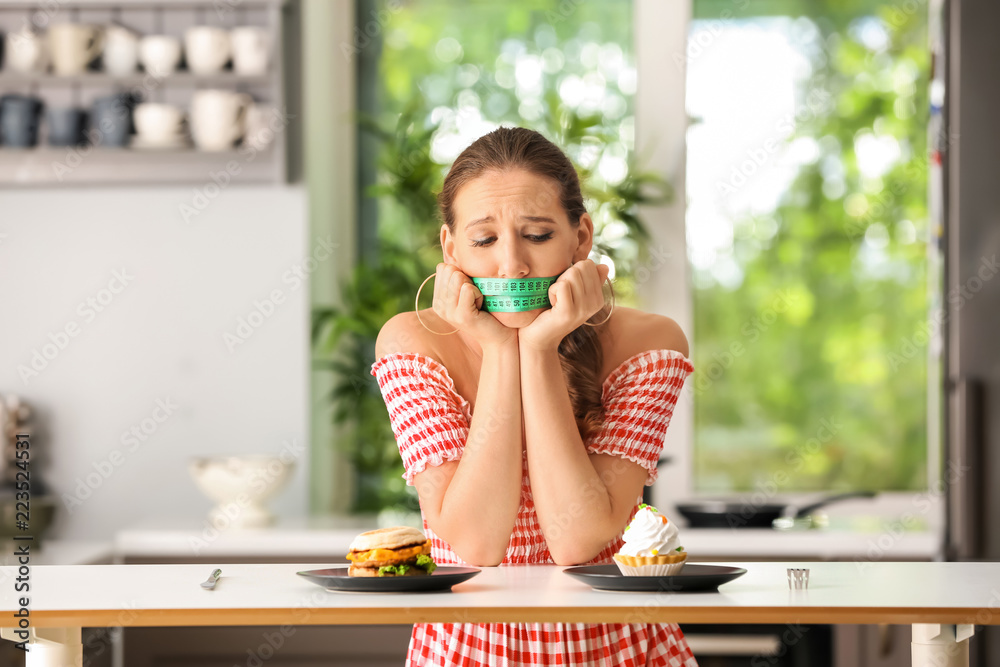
[(942, 601)]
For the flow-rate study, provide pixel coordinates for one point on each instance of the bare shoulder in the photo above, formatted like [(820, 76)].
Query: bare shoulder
[(404, 333), (635, 331), (660, 332)]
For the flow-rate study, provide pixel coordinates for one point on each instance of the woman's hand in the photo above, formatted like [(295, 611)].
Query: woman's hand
[(457, 301), (575, 297)]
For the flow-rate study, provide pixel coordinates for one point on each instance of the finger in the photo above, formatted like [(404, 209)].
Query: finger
[(604, 271), (455, 281), (566, 295)]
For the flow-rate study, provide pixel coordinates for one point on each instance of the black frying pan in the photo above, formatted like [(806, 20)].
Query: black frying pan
[(722, 514)]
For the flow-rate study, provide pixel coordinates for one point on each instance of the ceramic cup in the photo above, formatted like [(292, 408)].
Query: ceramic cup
[(111, 118), (26, 50), (19, 119), (251, 50), (74, 45), (66, 126), (121, 50), (157, 123), (206, 48), (160, 54), (258, 133), (218, 118)]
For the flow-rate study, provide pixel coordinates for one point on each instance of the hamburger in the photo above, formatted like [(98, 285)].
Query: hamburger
[(398, 551)]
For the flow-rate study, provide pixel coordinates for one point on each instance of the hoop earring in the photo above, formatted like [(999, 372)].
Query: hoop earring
[(416, 308), (612, 307)]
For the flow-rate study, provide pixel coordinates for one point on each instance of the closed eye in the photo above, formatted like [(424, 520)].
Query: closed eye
[(537, 238)]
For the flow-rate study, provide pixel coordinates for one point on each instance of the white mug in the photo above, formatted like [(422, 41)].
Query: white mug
[(27, 50), (158, 123), (218, 118), (160, 54), (121, 50), (251, 50), (206, 48), (74, 45)]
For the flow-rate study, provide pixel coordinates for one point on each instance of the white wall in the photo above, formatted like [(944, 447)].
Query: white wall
[(161, 336)]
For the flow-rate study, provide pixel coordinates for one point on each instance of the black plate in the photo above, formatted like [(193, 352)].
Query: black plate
[(693, 578), (337, 579)]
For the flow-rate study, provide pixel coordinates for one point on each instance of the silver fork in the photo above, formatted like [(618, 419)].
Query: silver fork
[(209, 583)]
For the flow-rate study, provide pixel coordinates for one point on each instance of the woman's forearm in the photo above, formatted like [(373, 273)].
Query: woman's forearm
[(572, 503), (480, 506)]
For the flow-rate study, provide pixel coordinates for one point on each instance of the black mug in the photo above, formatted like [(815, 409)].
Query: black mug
[(19, 118), (111, 118), (66, 126)]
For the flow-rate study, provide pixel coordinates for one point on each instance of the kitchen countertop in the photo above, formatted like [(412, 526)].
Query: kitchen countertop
[(60, 552), (331, 535)]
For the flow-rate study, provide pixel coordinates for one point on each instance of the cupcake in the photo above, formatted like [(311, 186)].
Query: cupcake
[(652, 546)]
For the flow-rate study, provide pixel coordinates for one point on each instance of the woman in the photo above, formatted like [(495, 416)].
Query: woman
[(573, 405)]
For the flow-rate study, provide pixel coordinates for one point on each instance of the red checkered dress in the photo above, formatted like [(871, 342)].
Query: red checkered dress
[(431, 424)]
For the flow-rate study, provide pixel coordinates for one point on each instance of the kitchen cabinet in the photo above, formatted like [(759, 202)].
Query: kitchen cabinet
[(872, 645), (45, 165), (274, 646)]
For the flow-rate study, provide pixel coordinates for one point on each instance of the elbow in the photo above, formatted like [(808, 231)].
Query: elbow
[(566, 556), (481, 558)]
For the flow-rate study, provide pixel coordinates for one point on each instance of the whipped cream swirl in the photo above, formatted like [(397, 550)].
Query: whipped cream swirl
[(650, 534)]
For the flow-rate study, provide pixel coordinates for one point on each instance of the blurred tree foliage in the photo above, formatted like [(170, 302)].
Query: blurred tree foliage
[(812, 372)]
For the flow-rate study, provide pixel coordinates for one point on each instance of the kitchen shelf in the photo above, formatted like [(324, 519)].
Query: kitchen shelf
[(40, 165), (96, 165), (104, 78)]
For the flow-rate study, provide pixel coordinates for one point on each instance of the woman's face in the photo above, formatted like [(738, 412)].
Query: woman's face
[(512, 225)]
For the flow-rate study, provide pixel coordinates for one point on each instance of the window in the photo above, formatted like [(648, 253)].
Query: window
[(809, 243), (464, 68)]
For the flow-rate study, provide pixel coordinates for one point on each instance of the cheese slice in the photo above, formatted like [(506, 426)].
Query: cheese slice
[(386, 554)]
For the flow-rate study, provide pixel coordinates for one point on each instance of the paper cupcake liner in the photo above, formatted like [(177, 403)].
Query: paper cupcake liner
[(650, 566)]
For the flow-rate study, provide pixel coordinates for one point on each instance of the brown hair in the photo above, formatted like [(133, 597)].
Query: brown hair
[(509, 148)]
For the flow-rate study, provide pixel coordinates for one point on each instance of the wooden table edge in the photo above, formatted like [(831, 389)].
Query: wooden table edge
[(408, 616)]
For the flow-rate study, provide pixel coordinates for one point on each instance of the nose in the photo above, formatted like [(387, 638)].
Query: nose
[(512, 262)]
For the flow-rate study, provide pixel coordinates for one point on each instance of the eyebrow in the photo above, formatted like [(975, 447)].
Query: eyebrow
[(529, 218)]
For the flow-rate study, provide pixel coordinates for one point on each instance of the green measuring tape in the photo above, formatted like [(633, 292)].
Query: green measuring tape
[(514, 295)]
